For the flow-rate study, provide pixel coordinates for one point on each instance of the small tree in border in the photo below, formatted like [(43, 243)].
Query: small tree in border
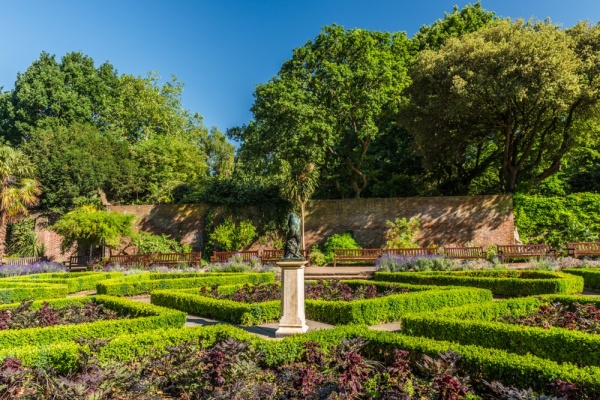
[(401, 233), (86, 226)]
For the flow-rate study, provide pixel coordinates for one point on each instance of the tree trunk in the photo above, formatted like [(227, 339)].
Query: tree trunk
[(302, 224), (3, 226)]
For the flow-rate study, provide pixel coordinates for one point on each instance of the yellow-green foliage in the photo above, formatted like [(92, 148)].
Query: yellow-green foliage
[(507, 283), (11, 292), (146, 283), (476, 324)]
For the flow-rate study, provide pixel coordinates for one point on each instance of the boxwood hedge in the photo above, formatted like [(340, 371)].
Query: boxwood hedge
[(143, 317), (491, 364), (506, 283), (11, 292), (146, 283), (368, 311), (591, 276), (75, 281), (477, 324)]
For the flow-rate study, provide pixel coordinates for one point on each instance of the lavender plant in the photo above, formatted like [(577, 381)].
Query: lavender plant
[(27, 269)]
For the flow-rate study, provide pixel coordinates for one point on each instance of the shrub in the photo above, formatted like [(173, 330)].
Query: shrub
[(557, 220), (591, 277), (231, 236), (28, 269), (237, 264), (317, 257), (75, 281), (146, 283), (148, 243), (368, 311), (401, 233), (397, 263), (21, 240), (481, 324), (487, 363), (338, 241), (508, 283), (12, 292)]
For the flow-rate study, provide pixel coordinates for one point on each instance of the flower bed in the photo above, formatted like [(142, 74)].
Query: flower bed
[(507, 283), (75, 281), (483, 325), (142, 317), (146, 283), (24, 316), (365, 311), (27, 269), (295, 355)]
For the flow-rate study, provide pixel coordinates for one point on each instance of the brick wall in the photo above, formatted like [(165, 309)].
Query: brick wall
[(452, 220)]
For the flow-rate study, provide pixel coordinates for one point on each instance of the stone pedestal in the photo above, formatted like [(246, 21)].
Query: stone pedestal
[(292, 319)]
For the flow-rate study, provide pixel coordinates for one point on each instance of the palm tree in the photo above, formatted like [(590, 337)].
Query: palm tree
[(299, 187), (18, 189)]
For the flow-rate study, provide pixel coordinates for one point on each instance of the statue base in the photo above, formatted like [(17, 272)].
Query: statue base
[(293, 319)]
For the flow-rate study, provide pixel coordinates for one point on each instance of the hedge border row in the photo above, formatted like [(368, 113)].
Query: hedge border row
[(591, 277), (493, 364), (367, 311), (476, 325), (505, 283), (12, 292), (144, 317), (75, 281), (145, 285)]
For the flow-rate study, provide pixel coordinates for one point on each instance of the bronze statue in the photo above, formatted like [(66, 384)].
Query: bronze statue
[(293, 239)]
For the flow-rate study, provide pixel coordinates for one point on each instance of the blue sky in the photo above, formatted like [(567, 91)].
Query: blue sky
[(220, 49)]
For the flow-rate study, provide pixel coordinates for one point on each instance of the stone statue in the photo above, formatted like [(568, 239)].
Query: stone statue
[(293, 239)]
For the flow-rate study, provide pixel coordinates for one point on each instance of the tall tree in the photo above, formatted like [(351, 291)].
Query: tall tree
[(325, 104), (513, 96), (469, 19), (18, 189)]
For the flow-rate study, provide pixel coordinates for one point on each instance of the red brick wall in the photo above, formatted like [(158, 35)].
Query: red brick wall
[(452, 220), (456, 220)]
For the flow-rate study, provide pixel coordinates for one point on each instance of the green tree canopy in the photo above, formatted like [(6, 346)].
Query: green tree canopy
[(515, 97), (325, 104), (87, 226)]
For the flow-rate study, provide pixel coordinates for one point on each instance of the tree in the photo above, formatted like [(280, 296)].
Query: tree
[(18, 189), (77, 161), (86, 226), (455, 24), (298, 188), (512, 96), (325, 104)]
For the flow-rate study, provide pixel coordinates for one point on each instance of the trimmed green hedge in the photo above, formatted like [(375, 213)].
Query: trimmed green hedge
[(75, 281), (368, 311), (477, 325), (491, 364), (12, 292), (506, 283), (144, 317), (146, 283), (591, 276)]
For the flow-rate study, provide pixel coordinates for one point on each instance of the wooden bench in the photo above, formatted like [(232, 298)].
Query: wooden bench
[(412, 251), (272, 256), (126, 260), (81, 263), (465, 253), (23, 260), (582, 249), (525, 251), (224, 256), (343, 256), (190, 259)]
